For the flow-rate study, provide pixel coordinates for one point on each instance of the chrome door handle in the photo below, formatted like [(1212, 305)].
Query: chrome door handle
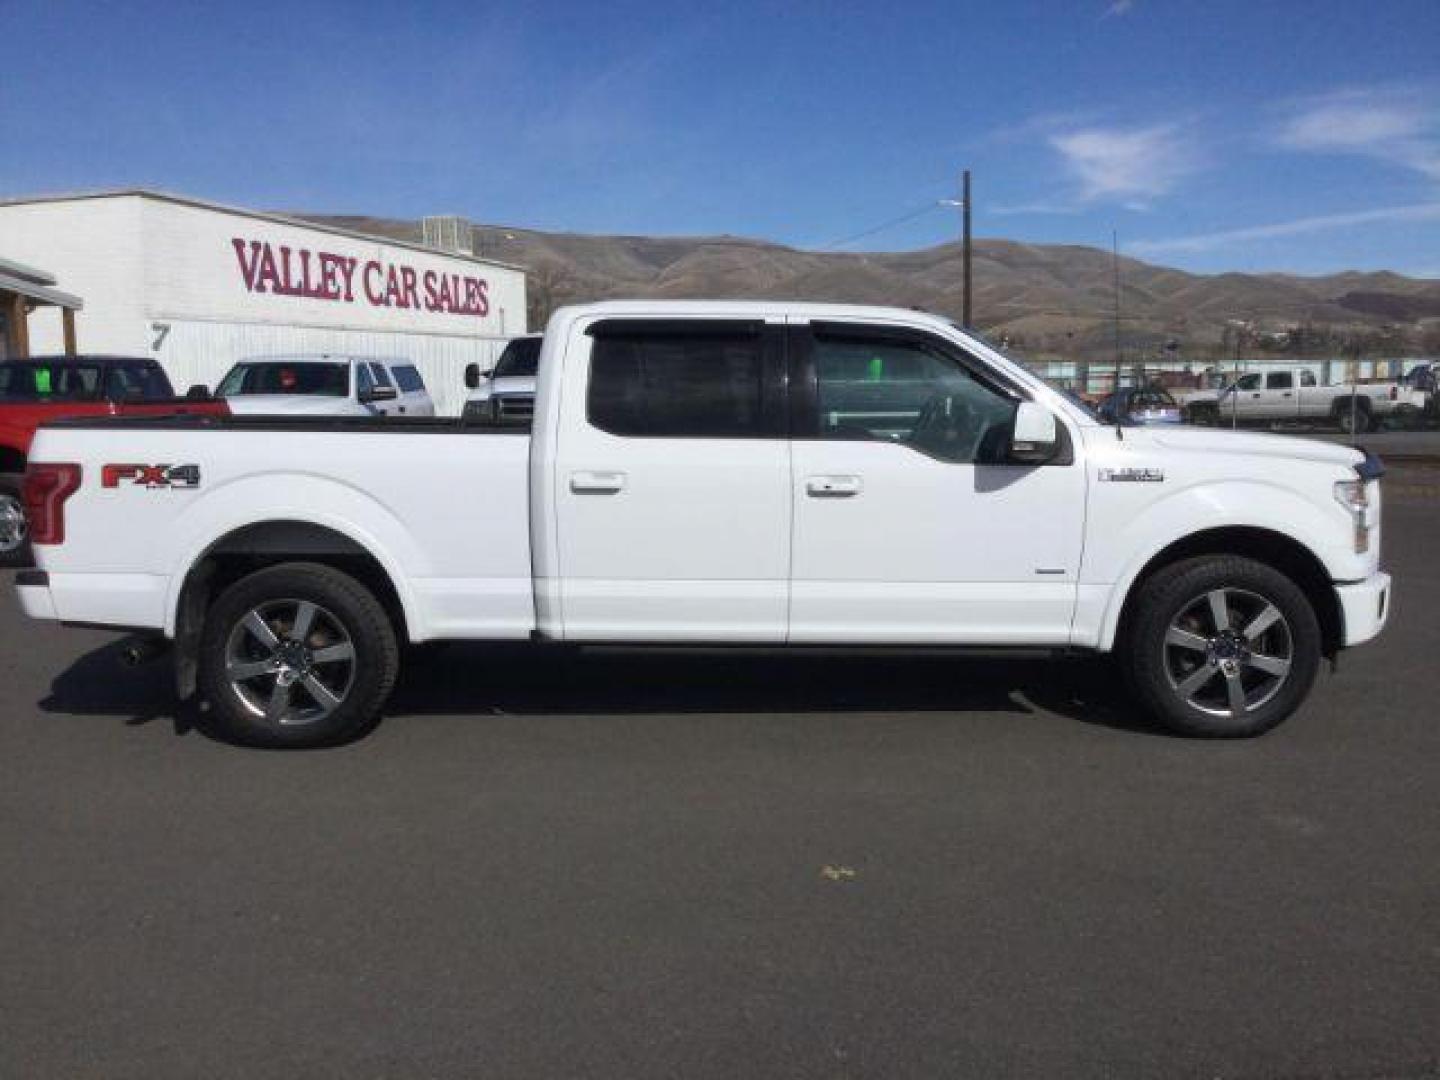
[(597, 483), (833, 487)]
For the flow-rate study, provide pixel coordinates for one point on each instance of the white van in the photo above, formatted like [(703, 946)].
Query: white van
[(325, 384)]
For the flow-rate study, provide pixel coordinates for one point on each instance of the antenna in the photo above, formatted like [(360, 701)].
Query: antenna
[(1115, 264)]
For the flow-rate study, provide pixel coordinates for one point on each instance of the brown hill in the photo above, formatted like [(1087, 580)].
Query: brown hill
[(1052, 299)]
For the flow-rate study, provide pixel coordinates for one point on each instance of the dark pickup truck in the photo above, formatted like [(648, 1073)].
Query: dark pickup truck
[(46, 388)]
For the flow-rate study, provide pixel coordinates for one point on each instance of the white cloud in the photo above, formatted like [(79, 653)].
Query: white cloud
[(1323, 223), (1394, 125), (1131, 165), (1118, 7)]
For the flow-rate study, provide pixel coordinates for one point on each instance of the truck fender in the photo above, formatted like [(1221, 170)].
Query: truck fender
[(329, 504), (1203, 508)]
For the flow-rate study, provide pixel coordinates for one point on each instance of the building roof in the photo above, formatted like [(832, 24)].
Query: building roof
[(17, 277), (258, 215)]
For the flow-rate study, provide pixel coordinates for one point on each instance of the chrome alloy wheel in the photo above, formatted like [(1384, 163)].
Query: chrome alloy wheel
[(12, 523), (290, 662), (1228, 652)]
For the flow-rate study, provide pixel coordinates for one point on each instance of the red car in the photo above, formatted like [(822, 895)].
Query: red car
[(35, 391)]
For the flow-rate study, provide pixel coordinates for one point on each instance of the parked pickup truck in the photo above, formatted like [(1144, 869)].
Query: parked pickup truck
[(766, 474), (508, 393), (35, 391), (1293, 395)]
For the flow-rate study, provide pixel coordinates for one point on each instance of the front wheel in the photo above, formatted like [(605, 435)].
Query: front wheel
[(1221, 646), (296, 655), (14, 535)]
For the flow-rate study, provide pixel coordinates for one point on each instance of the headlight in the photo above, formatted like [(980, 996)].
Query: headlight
[(1351, 494)]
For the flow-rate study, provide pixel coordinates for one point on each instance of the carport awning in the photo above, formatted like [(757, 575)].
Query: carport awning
[(44, 294)]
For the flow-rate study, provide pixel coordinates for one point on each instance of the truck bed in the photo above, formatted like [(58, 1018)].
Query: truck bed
[(442, 504)]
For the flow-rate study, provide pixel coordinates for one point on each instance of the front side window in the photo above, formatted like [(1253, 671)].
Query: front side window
[(136, 382), (697, 384), (909, 391), (363, 382), (382, 377), (1248, 382)]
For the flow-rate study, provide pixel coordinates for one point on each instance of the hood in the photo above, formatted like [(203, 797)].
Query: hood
[(290, 405), (513, 384), (1222, 441)]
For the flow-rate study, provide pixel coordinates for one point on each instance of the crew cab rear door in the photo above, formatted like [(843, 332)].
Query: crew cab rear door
[(672, 482), (909, 525)]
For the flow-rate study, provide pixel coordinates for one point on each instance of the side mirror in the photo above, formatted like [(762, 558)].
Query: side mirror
[(472, 376), (1036, 437), (199, 392), (378, 393)]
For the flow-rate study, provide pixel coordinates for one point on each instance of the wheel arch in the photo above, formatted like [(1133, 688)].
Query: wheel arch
[(1276, 549), (12, 459), (248, 548)]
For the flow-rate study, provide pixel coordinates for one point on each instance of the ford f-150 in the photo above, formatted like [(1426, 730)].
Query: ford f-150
[(767, 474)]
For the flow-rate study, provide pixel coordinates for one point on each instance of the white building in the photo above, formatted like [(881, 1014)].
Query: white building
[(198, 286)]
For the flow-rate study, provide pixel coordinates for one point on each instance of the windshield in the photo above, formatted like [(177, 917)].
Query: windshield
[(520, 358), (29, 381), (281, 377)]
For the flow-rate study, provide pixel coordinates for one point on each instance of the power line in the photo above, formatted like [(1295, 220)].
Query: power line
[(911, 216)]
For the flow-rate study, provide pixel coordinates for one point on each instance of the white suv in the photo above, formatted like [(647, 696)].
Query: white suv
[(325, 385)]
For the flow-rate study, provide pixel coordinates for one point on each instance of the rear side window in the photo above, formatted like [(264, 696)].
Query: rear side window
[(409, 381), (695, 383), (29, 381), (1279, 380), (1307, 378)]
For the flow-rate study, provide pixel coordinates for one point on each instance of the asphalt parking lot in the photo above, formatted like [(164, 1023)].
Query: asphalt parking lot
[(743, 865)]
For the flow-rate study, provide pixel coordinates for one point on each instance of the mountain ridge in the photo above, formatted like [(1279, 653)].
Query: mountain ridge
[(1049, 299)]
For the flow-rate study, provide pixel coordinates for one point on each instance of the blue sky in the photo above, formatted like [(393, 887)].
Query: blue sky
[(1256, 135)]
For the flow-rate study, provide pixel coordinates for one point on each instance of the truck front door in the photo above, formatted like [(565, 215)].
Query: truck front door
[(672, 482), (909, 524)]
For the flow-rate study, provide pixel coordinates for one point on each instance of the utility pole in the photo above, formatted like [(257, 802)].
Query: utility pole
[(965, 311)]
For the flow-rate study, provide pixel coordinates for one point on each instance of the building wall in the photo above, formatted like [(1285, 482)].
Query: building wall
[(199, 288), (93, 249)]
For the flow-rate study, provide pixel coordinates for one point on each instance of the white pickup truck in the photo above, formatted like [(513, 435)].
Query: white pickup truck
[(771, 474), (1294, 395)]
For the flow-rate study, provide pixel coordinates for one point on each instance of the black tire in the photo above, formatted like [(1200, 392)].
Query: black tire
[(1353, 423), (14, 549), (343, 613), (1204, 415), (1159, 668)]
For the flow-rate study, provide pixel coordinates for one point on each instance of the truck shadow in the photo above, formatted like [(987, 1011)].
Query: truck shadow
[(491, 680)]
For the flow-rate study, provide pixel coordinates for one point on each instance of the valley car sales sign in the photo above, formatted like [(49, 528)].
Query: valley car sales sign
[(283, 270)]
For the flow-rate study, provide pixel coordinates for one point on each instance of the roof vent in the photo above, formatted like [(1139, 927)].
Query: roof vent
[(449, 233)]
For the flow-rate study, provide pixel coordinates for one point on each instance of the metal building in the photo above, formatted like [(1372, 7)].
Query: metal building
[(197, 286)]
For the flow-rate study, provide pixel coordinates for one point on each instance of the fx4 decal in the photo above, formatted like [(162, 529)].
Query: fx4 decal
[(151, 476)]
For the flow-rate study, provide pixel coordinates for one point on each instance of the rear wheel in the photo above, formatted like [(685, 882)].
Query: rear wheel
[(1354, 421), (297, 655), (1221, 646), (14, 535), (1204, 414)]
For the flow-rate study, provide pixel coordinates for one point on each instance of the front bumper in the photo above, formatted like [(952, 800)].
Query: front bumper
[(1365, 606)]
